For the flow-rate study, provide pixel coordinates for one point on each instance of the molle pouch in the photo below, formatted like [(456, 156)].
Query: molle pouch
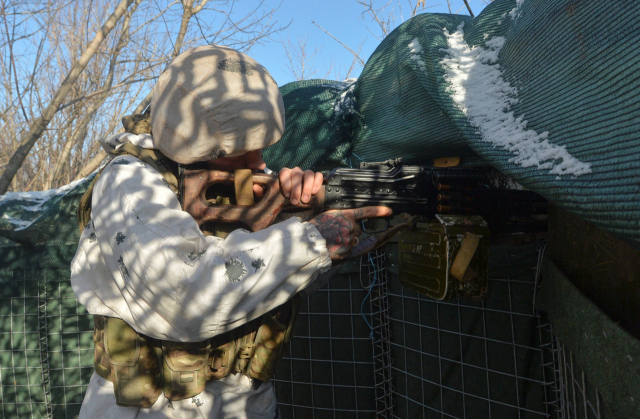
[(185, 368), (446, 258), (100, 360), (272, 336), (221, 359), (244, 349), (134, 364)]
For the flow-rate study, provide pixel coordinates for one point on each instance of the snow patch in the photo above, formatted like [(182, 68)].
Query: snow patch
[(346, 103), (415, 48), (38, 198), (516, 11), (33, 208), (479, 90), (17, 222), (500, 20)]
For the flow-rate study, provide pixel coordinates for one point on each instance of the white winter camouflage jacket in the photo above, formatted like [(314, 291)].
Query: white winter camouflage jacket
[(144, 260)]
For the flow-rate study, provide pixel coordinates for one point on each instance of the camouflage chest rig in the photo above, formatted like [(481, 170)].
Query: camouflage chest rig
[(141, 367)]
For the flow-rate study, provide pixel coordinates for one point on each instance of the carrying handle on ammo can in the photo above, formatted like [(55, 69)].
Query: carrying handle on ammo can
[(256, 217)]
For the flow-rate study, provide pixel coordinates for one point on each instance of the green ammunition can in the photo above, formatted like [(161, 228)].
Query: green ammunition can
[(446, 258)]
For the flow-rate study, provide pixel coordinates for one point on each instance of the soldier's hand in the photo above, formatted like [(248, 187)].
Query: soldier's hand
[(299, 185), (338, 228)]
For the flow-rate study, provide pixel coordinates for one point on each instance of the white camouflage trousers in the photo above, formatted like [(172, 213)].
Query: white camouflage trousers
[(229, 398)]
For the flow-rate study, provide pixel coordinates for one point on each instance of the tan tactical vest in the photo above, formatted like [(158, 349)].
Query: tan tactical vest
[(141, 367)]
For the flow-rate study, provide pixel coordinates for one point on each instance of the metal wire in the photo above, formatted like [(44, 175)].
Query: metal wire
[(464, 359), (329, 370), (573, 396), (455, 391), (380, 333), (70, 350), (46, 347), (43, 342), (23, 393), (568, 393), (493, 358)]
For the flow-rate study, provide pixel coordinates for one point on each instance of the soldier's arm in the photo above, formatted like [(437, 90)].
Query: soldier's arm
[(177, 284)]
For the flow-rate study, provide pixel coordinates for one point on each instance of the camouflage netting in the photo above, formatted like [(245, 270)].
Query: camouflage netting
[(316, 135), (547, 95)]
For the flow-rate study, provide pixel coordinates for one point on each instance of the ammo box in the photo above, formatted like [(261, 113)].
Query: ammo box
[(431, 261)]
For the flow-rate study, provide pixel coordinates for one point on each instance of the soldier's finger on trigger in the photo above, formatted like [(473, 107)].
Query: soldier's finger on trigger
[(307, 186), (372, 212)]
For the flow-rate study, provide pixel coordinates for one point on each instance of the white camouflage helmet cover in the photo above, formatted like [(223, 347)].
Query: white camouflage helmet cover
[(213, 101)]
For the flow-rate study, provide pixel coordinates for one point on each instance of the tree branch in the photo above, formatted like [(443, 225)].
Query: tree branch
[(349, 49), (469, 8), (37, 127)]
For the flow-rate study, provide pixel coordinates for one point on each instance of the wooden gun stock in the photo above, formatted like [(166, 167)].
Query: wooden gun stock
[(255, 217)]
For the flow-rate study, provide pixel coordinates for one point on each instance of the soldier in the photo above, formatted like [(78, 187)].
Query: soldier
[(188, 325)]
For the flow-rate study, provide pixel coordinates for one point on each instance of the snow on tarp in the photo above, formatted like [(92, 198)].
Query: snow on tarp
[(35, 217), (22, 208), (482, 94), (544, 91), (345, 102), (415, 48)]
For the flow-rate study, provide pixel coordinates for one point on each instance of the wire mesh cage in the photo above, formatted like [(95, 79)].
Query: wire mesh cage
[(46, 346), (70, 332), (409, 356), (471, 359), (23, 383), (328, 372)]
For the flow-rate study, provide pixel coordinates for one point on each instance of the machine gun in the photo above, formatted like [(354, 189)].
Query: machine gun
[(447, 213)]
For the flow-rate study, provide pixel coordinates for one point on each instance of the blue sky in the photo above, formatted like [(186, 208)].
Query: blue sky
[(342, 18)]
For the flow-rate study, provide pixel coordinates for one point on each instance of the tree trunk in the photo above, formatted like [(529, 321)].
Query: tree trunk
[(81, 130), (93, 164)]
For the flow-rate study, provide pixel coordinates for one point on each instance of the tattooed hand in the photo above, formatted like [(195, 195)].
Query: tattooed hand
[(338, 228)]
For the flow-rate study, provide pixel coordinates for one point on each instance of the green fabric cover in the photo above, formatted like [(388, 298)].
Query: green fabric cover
[(403, 112), (608, 354), (45, 219), (574, 66), (316, 136)]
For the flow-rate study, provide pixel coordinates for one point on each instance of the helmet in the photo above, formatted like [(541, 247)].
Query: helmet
[(213, 101)]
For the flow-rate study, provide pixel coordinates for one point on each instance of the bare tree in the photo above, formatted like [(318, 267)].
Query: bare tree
[(300, 63), (386, 20), (61, 89), (356, 56), (355, 63), (40, 124)]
